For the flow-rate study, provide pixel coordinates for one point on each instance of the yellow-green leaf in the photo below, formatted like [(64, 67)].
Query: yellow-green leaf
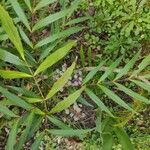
[(11, 30), (8, 74), (55, 57), (67, 102), (60, 83)]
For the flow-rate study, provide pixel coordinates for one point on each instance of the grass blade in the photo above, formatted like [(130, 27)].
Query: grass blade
[(67, 102), (115, 98), (133, 94), (37, 142), (143, 85), (43, 3), (7, 74), (19, 11), (60, 83), (11, 30), (15, 99), (6, 111), (12, 136), (55, 57), (50, 19), (128, 66), (92, 73), (99, 103), (124, 139), (28, 3), (65, 33), (110, 69), (10, 58)]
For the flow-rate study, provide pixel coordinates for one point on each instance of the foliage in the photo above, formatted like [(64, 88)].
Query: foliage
[(37, 36)]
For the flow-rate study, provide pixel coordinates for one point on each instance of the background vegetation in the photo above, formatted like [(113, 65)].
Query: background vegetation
[(74, 74)]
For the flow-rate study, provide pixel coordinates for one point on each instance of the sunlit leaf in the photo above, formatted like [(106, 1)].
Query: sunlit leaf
[(7, 74), (55, 57), (11, 30), (67, 102), (60, 83)]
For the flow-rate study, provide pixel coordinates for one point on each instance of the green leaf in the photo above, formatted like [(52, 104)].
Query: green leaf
[(6, 111), (57, 122), (12, 136), (107, 141), (67, 102), (19, 11), (124, 139), (37, 141), (25, 38), (60, 83), (15, 99), (115, 98), (99, 103), (145, 62), (77, 20), (128, 66), (92, 73), (33, 100), (28, 3), (11, 30), (55, 57), (110, 69), (7, 74), (50, 19), (133, 94), (10, 58), (143, 85), (23, 137), (70, 132), (52, 38), (43, 3)]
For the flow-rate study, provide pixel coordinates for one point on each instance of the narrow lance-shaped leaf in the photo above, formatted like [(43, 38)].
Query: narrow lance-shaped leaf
[(128, 66), (52, 38), (99, 103), (15, 99), (145, 62), (143, 85), (67, 102), (7, 74), (12, 136), (43, 3), (70, 132), (51, 18), (107, 141), (37, 141), (92, 73), (10, 58), (57, 122), (11, 30), (115, 98), (25, 38), (4, 110), (124, 139), (133, 94), (55, 57), (26, 131), (60, 83), (28, 3), (19, 11), (110, 70)]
